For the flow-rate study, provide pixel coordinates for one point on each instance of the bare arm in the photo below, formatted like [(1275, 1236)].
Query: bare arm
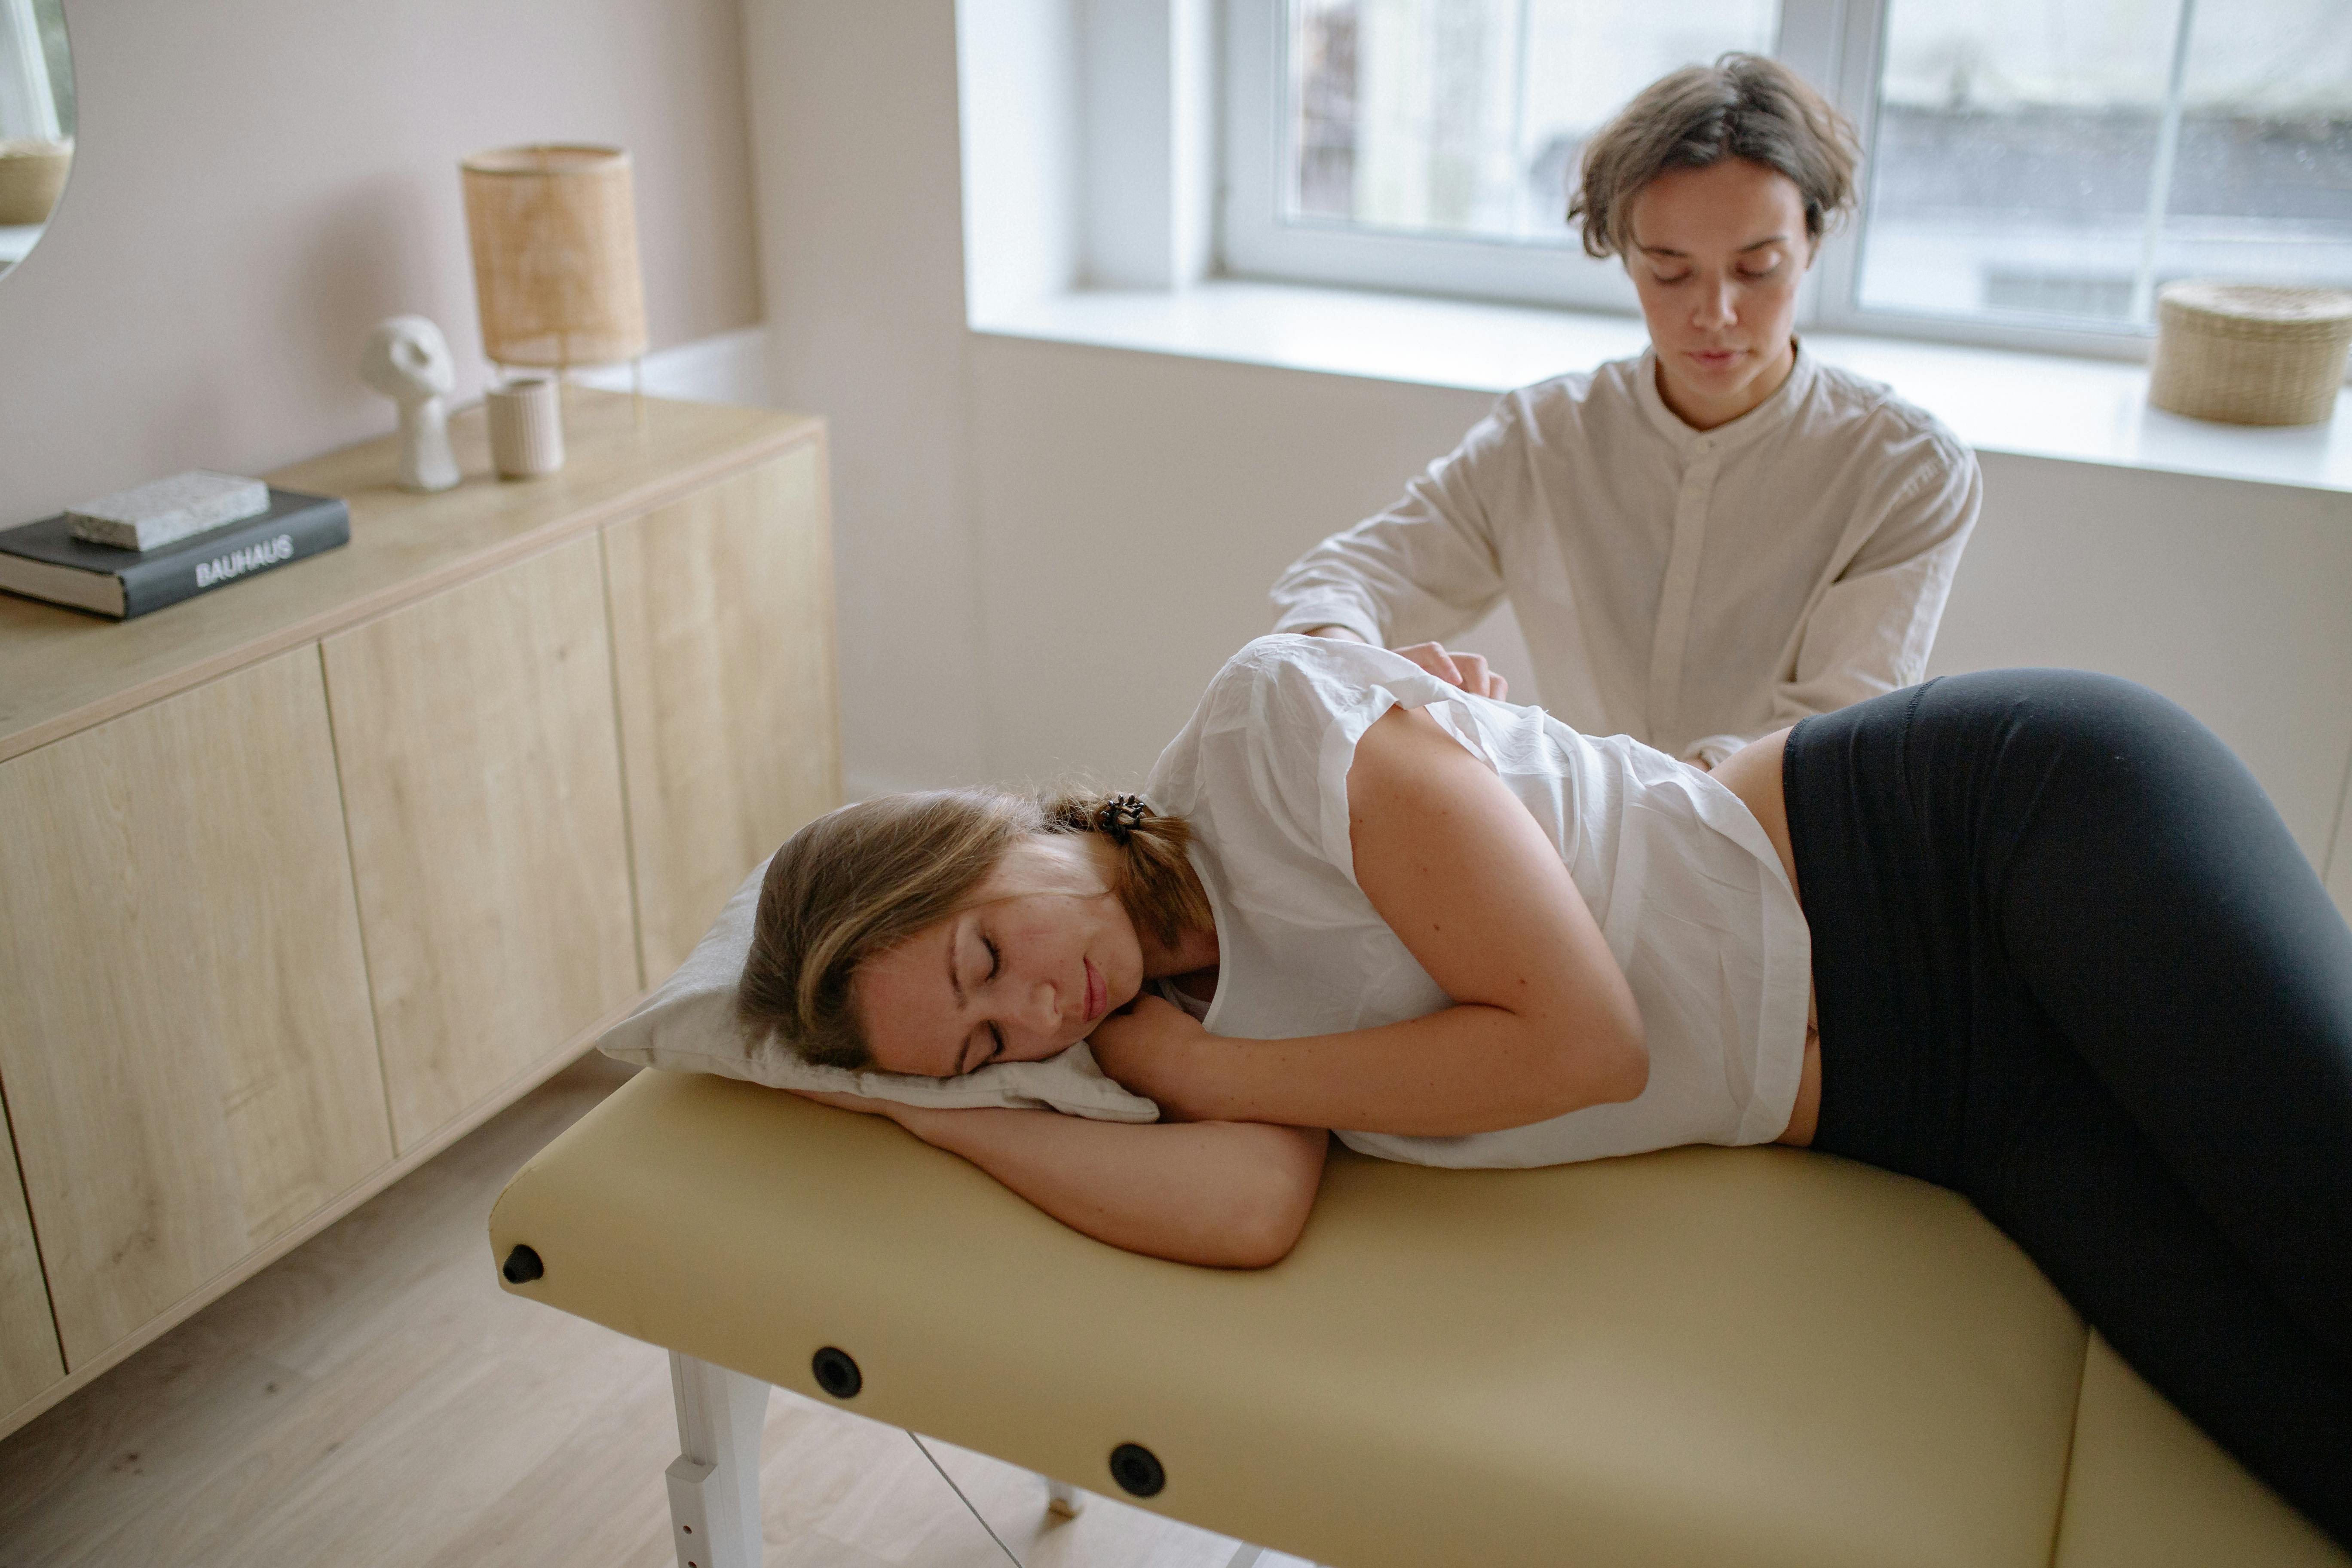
[(1230, 1194), (1543, 1021)]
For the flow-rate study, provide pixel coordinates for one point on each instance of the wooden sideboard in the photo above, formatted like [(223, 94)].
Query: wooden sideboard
[(303, 878)]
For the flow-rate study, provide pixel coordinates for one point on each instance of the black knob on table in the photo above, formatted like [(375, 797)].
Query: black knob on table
[(1137, 1470), (836, 1373), (522, 1266)]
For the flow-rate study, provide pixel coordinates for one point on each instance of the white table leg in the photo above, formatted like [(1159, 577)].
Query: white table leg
[(714, 1484), (1062, 1498)]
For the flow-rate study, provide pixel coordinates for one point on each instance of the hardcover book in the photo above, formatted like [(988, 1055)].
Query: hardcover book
[(44, 559)]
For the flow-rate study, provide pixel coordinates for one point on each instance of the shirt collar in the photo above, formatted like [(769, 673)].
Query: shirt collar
[(1774, 414)]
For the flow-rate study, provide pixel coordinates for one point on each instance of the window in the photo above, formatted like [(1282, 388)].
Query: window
[(1430, 144), (1468, 117), (36, 92), (36, 119), (2062, 160), (2033, 170)]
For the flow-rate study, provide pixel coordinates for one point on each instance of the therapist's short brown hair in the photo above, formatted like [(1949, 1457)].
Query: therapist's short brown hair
[(1742, 106)]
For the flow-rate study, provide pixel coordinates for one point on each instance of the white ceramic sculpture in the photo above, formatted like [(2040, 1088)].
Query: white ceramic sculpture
[(407, 360)]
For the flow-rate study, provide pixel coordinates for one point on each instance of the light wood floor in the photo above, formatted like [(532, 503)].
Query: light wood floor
[(375, 1401)]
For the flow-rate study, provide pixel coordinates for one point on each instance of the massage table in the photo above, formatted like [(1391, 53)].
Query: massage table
[(1698, 1357)]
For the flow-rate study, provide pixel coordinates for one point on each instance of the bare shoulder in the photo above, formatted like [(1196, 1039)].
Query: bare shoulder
[(1405, 752)]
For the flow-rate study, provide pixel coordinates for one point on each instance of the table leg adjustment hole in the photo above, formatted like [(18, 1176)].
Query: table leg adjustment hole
[(1137, 1470), (836, 1373)]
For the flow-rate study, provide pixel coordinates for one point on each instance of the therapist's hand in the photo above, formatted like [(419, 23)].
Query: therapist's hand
[(1467, 670), (1144, 1050)]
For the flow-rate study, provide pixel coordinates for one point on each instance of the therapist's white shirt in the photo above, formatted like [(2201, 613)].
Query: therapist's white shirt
[(1692, 589)]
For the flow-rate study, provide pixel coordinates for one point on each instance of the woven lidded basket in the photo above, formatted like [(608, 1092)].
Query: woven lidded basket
[(32, 174), (2250, 353)]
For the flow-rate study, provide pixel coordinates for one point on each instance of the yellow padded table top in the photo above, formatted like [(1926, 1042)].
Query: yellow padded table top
[(1717, 1356), (2147, 1489)]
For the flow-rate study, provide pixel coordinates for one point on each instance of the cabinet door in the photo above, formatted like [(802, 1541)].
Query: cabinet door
[(29, 1358), (186, 1046), (480, 775), (722, 645)]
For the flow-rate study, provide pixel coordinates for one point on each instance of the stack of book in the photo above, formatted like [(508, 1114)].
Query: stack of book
[(140, 550)]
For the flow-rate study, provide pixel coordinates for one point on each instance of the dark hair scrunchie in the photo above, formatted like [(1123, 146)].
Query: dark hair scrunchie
[(1119, 817)]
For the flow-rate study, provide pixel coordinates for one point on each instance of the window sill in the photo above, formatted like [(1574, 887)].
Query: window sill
[(2041, 406)]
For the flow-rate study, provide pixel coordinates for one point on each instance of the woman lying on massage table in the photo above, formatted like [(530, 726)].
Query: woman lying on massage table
[(2055, 951)]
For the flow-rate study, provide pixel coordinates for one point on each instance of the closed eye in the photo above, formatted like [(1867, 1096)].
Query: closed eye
[(995, 965)]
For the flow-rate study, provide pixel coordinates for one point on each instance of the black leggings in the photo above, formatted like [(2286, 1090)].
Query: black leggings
[(2070, 964)]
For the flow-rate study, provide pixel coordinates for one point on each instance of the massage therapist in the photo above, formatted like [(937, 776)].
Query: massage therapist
[(1713, 539)]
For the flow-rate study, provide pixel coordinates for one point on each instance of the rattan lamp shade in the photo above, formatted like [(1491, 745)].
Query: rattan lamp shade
[(554, 230)]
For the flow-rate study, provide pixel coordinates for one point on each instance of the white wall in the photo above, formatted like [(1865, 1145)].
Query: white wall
[(2233, 599), (1020, 146), (258, 182), (1109, 520), (1140, 506), (861, 244)]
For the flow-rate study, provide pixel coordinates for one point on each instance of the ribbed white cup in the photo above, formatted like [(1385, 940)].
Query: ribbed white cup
[(526, 427)]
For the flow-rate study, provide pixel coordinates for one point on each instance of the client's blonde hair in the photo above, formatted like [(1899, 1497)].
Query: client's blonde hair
[(860, 880)]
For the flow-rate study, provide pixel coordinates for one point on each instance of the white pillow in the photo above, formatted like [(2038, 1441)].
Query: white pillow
[(689, 1025)]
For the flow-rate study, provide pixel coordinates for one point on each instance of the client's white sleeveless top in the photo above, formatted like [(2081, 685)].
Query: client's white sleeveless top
[(1677, 872)]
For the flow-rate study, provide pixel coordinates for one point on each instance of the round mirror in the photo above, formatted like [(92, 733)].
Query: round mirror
[(37, 120)]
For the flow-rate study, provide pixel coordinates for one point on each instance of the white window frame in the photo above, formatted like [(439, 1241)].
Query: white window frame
[(1256, 241), (1834, 43), (1850, 73)]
